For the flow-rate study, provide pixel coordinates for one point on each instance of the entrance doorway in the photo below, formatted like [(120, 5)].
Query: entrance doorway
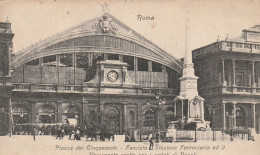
[(113, 119)]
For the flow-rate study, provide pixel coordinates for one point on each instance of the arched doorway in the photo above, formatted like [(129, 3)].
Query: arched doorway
[(241, 118), (149, 119), (20, 114), (113, 119), (46, 114), (71, 115)]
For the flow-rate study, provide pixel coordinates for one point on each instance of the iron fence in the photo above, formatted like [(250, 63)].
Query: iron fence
[(197, 135)]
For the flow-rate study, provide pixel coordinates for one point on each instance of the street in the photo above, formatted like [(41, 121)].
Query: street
[(50, 145)]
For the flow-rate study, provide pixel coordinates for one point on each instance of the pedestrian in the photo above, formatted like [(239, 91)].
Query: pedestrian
[(150, 138), (77, 135), (58, 133), (34, 132), (72, 135)]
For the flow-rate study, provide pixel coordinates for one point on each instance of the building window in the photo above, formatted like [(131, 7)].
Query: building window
[(240, 79), (82, 60), (97, 57), (49, 60), (46, 114), (142, 64), (33, 62), (130, 61), (149, 120), (113, 57), (66, 60), (156, 67), (20, 114), (71, 115)]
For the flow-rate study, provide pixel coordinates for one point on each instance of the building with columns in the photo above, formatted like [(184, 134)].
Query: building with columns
[(229, 80), (99, 71), (6, 45)]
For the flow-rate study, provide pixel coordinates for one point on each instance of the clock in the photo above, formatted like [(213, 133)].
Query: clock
[(112, 76)]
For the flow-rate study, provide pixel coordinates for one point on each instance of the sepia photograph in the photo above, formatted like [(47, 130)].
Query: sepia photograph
[(129, 77)]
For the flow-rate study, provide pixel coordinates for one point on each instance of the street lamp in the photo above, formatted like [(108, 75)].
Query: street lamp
[(212, 114), (159, 102)]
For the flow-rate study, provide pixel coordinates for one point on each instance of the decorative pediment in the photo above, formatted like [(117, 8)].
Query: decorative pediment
[(105, 25)]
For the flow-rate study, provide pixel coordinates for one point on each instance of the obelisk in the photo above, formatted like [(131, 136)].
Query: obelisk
[(188, 80)]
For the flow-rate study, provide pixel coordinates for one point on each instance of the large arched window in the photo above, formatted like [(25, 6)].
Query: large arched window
[(113, 117), (20, 114), (149, 119), (47, 114), (71, 115)]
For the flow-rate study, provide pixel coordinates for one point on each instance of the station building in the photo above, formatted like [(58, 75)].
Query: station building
[(99, 71)]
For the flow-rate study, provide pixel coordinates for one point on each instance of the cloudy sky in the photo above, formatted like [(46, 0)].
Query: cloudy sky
[(34, 20)]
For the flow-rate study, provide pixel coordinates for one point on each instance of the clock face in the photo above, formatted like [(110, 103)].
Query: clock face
[(112, 76)]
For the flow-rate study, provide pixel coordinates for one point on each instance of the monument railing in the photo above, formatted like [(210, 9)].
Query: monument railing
[(198, 135)]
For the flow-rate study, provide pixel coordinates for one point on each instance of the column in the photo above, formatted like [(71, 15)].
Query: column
[(150, 67), (58, 67), (74, 64), (164, 77), (234, 114), (135, 64), (224, 114), (202, 109), (253, 114), (223, 71), (59, 118), (33, 112), (135, 68), (234, 72), (175, 109), (40, 66), (139, 116), (125, 117), (105, 56), (253, 73), (90, 59)]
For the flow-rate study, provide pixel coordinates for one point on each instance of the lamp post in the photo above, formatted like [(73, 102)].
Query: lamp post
[(158, 103), (101, 111), (212, 115)]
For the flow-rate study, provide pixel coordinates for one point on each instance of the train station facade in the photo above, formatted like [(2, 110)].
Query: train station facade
[(99, 71)]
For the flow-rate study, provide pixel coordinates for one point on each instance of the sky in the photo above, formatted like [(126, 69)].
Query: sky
[(35, 20)]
